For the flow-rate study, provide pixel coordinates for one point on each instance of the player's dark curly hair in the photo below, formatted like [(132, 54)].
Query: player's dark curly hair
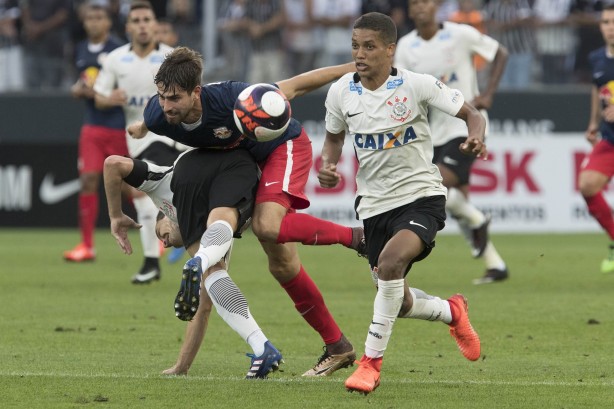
[(182, 69), (378, 22)]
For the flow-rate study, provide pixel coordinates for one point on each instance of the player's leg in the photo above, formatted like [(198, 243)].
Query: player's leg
[(595, 173), (146, 212), (455, 168), (91, 158), (283, 181)]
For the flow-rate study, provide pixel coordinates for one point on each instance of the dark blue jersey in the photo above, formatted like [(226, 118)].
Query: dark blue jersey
[(602, 68), (88, 64), (217, 128)]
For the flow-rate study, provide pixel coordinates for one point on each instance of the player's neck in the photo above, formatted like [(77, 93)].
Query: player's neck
[(374, 82), (101, 39), (428, 30), (143, 50), (195, 114), (609, 51)]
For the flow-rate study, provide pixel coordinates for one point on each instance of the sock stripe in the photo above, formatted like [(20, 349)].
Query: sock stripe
[(226, 293)]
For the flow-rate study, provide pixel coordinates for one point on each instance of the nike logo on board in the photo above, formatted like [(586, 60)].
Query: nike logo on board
[(50, 193)]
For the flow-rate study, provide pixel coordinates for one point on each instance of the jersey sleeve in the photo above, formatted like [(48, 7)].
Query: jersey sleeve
[(335, 122), (439, 95), (153, 116), (479, 43), (105, 82)]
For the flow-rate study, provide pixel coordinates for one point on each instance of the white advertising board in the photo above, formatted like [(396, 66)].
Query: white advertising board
[(528, 184)]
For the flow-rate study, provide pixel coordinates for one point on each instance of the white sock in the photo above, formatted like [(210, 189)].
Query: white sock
[(232, 306), (428, 307), (146, 212), (215, 243), (491, 257), (385, 310), (256, 340), (460, 208)]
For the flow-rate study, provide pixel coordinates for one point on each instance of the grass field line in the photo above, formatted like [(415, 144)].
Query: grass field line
[(193, 378)]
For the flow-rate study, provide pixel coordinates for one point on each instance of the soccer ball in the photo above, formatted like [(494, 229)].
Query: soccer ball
[(262, 112)]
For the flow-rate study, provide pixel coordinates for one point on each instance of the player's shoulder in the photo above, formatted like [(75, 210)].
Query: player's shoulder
[(164, 48), (597, 54), (119, 52), (408, 39), (345, 82)]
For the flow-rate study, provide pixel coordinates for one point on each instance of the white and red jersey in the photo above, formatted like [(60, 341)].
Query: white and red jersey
[(448, 56), (392, 139), (135, 75)]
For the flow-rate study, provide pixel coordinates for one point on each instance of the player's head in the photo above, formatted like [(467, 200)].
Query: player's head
[(178, 83), (373, 44), (423, 12), (96, 21), (606, 25), (165, 33), (141, 23), (168, 231)]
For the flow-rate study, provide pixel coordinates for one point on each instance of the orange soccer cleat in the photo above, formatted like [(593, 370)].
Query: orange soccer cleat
[(80, 253), (466, 338), (365, 378)]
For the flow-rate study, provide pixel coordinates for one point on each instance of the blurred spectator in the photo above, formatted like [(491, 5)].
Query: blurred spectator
[(469, 14), (335, 19), (165, 33), (510, 23), (45, 33), (586, 15), (11, 57), (234, 41), (299, 36), (556, 40), (398, 11), (185, 15), (264, 20)]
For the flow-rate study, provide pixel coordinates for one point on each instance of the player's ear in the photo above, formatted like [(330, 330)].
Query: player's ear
[(196, 91)]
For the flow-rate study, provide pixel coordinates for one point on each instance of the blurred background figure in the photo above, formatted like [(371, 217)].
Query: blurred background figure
[(556, 40), (264, 21), (300, 39), (102, 132), (165, 33), (397, 10), (45, 34), (468, 13), (234, 40), (11, 56), (585, 14), (510, 23), (335, 19), (445, 9)]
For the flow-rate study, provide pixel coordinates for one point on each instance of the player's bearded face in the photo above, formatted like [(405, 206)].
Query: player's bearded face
[(176, 104), (168, 233)]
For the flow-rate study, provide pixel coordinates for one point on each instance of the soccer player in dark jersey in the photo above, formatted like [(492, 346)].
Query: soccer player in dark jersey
[(103, 131), (598, 167), (202, 116), (207, 197)]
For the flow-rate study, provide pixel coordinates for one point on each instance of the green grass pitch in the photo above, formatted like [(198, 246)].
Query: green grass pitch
[(80, 335)]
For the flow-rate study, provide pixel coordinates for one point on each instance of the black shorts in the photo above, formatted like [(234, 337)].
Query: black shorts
[(450, 156), (425, 217), (159, 154), (207, 179)]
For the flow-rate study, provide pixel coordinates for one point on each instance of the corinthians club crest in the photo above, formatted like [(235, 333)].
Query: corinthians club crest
[(400, 112)]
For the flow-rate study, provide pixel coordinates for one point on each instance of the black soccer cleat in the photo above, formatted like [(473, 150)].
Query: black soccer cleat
[(188, 297)]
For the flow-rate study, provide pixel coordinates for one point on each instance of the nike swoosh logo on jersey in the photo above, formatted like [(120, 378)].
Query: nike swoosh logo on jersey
[(417, 224), (450, 161), (351, 115), (598, 74), (270, 183), (50, 193)]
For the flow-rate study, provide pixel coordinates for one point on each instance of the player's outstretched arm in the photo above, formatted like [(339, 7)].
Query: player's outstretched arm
[(331, 152), (476, 124), (116, 98), (137, 130), (484, 100), (314, 79), (116, 168), (592, 131)]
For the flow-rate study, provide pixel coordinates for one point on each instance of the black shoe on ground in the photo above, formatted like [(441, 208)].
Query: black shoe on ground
[(492, 275), (146, 275)]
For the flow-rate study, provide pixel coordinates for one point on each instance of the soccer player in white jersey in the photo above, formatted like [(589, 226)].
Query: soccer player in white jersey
[(400, 197), (446, 51), (126, 80)]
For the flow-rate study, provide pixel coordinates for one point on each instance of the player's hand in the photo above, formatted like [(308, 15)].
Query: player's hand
[(119, 230), (137, 130), (118, 97), (328, 176), (592, 134), (474, 146)]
